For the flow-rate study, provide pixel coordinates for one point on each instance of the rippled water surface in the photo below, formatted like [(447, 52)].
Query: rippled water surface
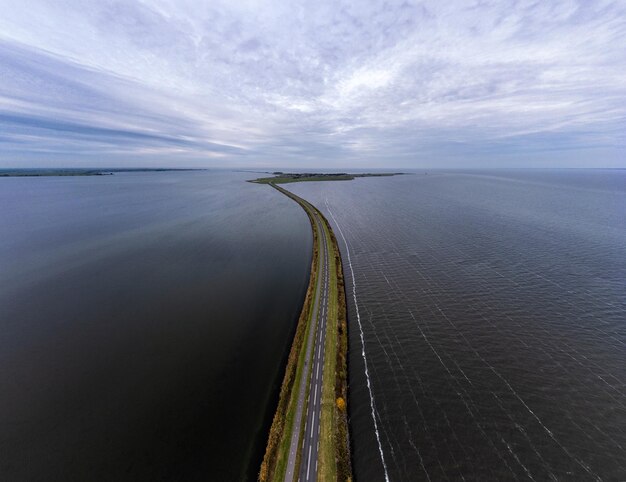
[(144, 322), (493, 312)]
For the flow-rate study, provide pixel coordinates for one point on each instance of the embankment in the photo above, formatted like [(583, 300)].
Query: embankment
[(281, 416), (272, 467)]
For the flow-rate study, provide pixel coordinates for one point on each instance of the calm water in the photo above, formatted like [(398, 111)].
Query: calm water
[(493, 312), (144, 321)]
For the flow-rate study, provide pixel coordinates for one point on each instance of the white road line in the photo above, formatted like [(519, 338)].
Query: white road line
[(309, 465)]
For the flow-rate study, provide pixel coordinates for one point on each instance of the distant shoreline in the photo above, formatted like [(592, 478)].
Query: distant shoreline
[(288, 177), (36, 172)]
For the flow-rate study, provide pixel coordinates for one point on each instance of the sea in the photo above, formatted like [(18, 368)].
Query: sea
[(487, 322), (145, 320)]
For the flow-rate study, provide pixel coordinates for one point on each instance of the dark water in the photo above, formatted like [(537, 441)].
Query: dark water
[(493, 311), (144, 321)]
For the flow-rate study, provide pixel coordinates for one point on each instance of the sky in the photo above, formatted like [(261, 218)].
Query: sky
[(327, 84)]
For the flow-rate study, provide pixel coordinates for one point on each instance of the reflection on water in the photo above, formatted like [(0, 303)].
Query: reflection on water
[(144, 321), (494, 319)]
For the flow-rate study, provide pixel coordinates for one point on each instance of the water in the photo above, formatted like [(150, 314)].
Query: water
[(144, 323), (494, 321)]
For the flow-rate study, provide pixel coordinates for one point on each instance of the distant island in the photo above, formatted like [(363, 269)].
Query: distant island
[(35, 172), (286, 177)]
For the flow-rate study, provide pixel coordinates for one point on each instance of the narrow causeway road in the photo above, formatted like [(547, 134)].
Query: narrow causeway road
[(309, 404)]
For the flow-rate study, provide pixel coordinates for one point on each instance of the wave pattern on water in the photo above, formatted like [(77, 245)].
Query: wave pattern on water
[(358, 318), (493, 313)]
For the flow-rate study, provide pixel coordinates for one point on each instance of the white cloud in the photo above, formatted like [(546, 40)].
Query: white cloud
[(301, 82)]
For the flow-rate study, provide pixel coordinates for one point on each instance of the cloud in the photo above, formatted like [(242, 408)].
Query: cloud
[(302, 84)]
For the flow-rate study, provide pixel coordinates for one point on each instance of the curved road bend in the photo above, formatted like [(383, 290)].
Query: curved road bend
[(309, 445)]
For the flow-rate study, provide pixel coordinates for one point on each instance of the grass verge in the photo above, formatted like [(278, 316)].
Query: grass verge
[(274, 460), (334, 455), (334, 451)]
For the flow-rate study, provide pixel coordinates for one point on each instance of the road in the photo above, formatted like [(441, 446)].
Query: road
[(309, 408)]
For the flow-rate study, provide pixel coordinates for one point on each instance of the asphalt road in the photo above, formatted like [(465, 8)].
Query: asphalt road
[(309, 408)]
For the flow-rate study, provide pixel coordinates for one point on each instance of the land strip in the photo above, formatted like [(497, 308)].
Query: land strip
[(309, 435), (64, 172), (287, 177)]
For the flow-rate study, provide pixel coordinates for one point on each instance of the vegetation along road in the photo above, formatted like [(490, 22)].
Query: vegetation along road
[(310, 444), (308, 440)]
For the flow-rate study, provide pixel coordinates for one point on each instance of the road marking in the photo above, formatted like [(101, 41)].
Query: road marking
[(309, 465)]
